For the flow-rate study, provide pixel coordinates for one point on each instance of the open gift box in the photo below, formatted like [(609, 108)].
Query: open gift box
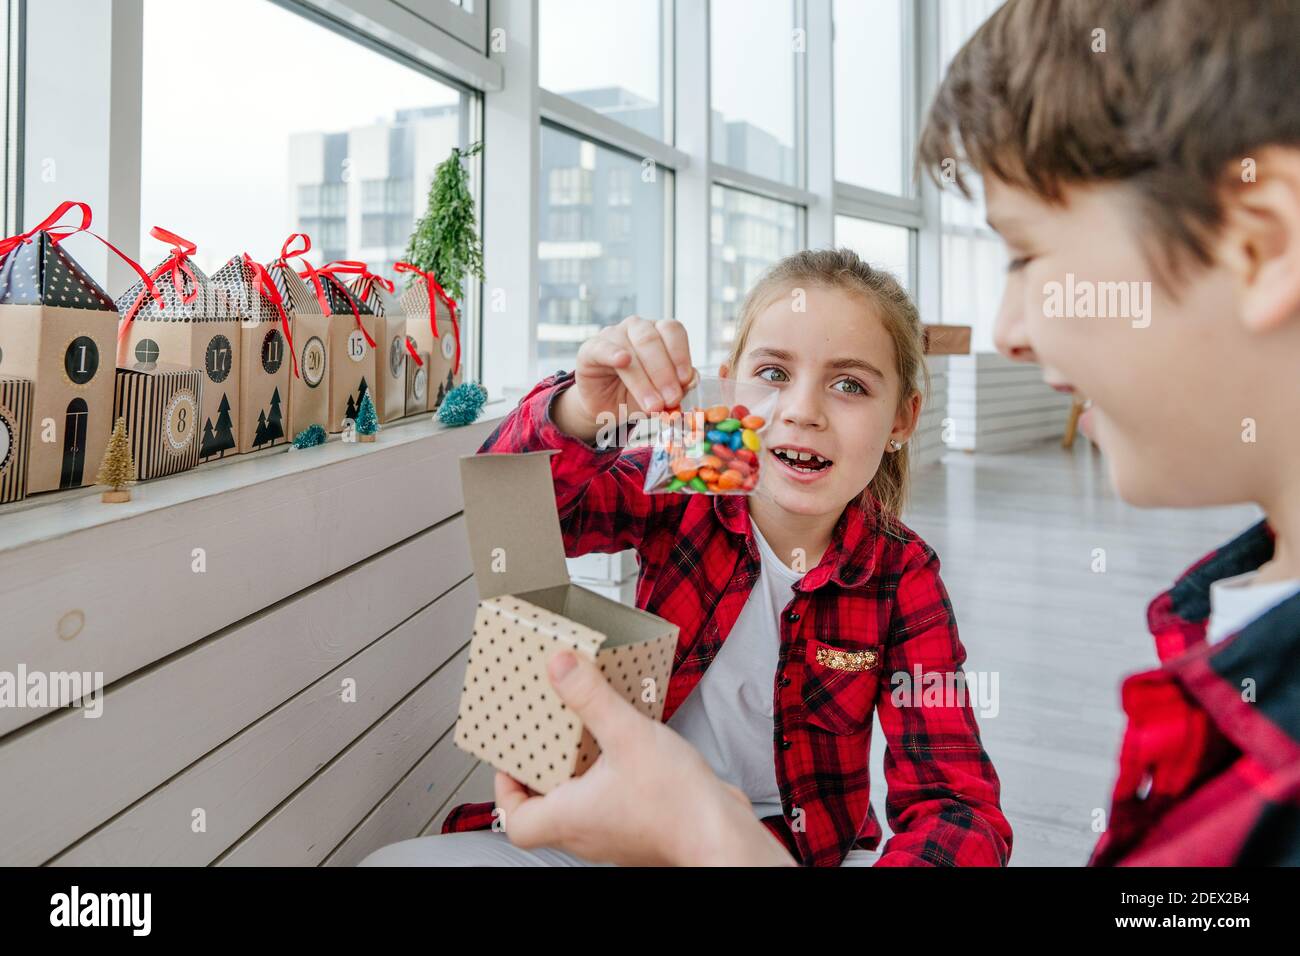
[(510, 716)]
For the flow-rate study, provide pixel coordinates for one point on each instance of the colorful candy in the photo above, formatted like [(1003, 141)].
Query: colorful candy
[(712, 450)]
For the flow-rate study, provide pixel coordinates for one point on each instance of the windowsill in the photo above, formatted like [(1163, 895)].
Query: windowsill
[(49, 515)]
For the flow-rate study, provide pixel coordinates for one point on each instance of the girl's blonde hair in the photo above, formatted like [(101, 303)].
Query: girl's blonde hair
[(842, 269)]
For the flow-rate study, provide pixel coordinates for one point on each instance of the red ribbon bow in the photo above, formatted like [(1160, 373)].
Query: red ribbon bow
[(414, 352), (265, 286), (177, 265), (358, 268), (50, 223), (435, 289), (311, 272)]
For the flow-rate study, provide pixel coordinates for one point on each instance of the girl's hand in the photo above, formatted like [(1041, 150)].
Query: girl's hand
[(649, 799), (642, 365)]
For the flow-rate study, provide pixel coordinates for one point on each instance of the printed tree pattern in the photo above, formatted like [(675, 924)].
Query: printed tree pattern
[(354, 404), (217, 439), (269, 428), (444, 388), (275, 421)]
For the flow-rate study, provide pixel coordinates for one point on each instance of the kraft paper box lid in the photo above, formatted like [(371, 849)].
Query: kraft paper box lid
[(41, 272), (513, 526)]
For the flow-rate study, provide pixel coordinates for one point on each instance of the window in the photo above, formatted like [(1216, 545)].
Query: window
[(595, 271), (973, 257), (879, 244), (10, 84), (605, 56), (749, 233), (312, 133), (869, 95), (755, 56)]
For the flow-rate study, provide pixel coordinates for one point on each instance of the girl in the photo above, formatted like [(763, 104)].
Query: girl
[(779, 671)]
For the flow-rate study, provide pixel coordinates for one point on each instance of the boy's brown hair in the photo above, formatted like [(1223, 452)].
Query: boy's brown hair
[(842, 269), (1179, 103)]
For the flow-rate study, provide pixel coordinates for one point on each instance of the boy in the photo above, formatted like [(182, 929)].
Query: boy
[(1141, 157)]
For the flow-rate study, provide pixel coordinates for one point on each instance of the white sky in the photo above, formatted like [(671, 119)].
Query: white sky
[(225, 85)]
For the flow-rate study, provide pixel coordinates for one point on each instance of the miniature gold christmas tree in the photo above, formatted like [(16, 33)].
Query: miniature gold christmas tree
[(117, 468)]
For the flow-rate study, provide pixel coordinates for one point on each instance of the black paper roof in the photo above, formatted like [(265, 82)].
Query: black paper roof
[(41, 272), (338, 295)]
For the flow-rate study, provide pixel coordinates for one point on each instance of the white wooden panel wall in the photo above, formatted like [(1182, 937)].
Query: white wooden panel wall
[(998, 405), (927, 445), (224, 689)]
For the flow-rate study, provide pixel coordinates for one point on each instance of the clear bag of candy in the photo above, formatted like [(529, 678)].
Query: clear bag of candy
[(712, 443)]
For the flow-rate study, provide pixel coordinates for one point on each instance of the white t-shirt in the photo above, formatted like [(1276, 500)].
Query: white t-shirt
[(728, 716), (1236, 602)]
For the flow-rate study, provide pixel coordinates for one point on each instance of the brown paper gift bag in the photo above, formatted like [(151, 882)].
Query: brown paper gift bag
[(435, 326), (386, 323), (509, 714), (417, 379), (352, 346), (266, 359), (309, 389), (58, 331), (195, 325)]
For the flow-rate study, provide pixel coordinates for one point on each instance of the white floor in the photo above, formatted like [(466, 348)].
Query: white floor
[(1016, 533)]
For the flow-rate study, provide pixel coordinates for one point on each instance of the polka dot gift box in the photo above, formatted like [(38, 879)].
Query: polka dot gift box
[(528, 611), (193, 324), (58, 330)]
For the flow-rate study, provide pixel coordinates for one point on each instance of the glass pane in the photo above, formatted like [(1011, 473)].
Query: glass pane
[(881, 245), (869, 94), (605, 56), (749, 233), (973, 258), (601, 252), (754, 53), (313, 133)]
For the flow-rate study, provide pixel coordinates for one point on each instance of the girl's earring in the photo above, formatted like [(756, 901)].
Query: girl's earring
[(895, 444)]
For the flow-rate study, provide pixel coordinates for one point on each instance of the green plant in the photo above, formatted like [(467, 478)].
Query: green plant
[(445, 241)]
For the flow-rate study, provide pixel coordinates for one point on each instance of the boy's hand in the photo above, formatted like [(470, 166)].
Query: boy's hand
[(649, 799), (643, 365)]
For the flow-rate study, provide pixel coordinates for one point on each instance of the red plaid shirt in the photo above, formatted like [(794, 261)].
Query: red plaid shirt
[(875, 589), (1210, 765)]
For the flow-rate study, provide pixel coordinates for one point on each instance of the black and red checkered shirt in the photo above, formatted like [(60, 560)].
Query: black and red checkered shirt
[(1210, 764), (875, 589)]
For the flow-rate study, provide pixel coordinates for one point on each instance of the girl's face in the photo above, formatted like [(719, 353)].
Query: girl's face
[(828, 353)]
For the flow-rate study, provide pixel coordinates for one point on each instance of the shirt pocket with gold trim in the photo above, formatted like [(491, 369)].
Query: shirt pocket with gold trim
[(839, 689)]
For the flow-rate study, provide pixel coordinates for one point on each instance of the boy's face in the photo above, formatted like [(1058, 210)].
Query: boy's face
[(833, 362), (1163, 375)]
